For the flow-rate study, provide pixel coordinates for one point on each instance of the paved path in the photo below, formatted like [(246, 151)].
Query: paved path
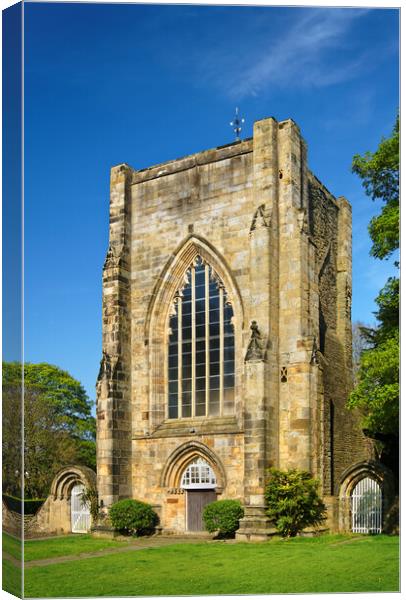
[(133, 545)]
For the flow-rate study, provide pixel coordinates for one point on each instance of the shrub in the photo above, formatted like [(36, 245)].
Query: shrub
[(132, 517), (292, 501), (223, 516)]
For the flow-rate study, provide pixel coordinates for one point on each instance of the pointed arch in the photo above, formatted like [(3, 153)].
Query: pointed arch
[(180, 458), (352, 476), (358, 471), (161, 307), (173, 272)]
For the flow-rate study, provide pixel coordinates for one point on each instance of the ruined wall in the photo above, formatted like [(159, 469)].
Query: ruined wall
[(113, 441), (48, 520), (330, 227)]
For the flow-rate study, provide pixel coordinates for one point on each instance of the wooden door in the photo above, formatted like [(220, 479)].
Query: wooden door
[(196, 501)]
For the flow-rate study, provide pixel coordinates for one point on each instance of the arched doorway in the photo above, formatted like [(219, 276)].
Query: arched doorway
[(366, 507), (367, 493), (199, 482), (80, 513)]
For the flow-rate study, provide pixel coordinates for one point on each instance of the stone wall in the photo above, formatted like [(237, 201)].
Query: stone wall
[(330, 228), (12, 522), (281, 244), (31, 526)]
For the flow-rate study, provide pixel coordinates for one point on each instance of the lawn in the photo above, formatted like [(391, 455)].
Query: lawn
[(67, 545), (325, 564), (12, 546), (10, 571), (11, 578), (61, 546)]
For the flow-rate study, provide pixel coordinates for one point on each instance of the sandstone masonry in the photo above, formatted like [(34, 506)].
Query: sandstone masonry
[(281, 245)]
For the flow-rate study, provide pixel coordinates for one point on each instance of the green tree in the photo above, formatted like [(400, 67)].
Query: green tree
[(377, 392), (379, 172), (377, 389), (12, 428), (47, 446), (58, 426)]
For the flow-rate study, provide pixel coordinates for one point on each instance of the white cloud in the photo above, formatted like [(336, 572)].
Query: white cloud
[(296, 57)]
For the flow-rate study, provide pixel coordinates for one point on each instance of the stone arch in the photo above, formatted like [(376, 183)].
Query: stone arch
[(159, 309), (171, 277), (185, 454), (352, 476), (68, 477)]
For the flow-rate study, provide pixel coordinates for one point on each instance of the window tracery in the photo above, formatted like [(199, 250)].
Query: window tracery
[(201, 362), (198, 474)]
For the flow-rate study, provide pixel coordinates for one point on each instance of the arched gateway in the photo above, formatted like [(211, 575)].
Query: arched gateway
[(366, 494), (64, 511)]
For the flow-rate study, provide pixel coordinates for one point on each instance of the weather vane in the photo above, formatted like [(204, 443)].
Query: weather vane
[(236, 124)]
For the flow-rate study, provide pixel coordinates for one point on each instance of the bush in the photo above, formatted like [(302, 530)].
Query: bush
[(292, 501), (223, 516), (132, 517)]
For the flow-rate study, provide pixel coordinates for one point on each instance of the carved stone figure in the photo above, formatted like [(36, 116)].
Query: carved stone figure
[(261, 217), (255, 349)]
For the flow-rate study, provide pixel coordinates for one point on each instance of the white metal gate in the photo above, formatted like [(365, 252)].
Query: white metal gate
[(366, 507), (80, 513)]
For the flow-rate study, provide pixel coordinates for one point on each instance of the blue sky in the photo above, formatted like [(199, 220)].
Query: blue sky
[(143, 84)]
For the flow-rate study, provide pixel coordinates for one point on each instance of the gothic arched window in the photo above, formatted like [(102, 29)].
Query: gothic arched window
[(201, 347)]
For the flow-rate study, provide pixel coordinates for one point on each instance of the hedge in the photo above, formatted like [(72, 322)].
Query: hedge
[(31, 505)]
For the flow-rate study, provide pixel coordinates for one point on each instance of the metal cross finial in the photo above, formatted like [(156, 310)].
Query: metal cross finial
[(236, 125)]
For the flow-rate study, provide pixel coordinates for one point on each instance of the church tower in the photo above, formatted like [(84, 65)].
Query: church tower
[(226, 331)]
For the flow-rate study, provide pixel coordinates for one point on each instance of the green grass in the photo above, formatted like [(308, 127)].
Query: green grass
[(11, 578), (66, 546), (12, 546), (325, 564)]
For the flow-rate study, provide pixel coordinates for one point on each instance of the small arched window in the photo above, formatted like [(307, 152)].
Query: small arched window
[(201, 347), (198, 474)]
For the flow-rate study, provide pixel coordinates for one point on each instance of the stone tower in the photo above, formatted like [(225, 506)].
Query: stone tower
[(226, 331)]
